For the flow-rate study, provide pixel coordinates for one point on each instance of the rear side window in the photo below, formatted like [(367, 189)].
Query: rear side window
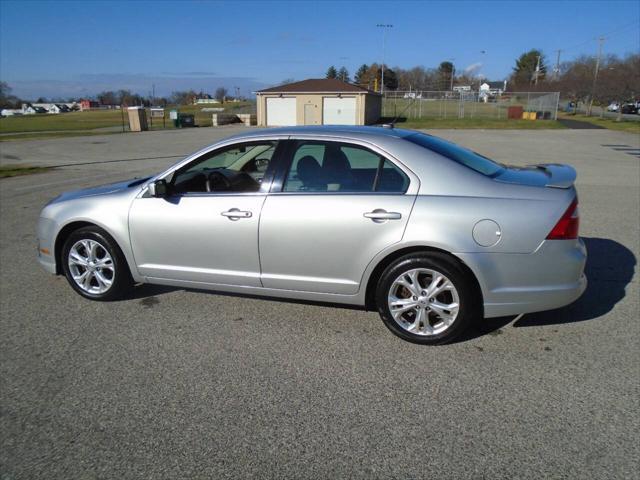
[(319, 166), (458, 154)]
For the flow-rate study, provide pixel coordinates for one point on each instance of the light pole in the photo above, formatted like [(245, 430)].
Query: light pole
[(385, 27), (595, 75)]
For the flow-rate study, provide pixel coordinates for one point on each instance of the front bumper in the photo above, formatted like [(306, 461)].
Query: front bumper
[(46, 244), (551, 277)]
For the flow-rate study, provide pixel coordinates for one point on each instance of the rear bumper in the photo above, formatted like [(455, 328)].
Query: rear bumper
[(551, 277)]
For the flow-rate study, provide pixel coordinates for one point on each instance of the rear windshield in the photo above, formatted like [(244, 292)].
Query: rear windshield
[(458, 154)]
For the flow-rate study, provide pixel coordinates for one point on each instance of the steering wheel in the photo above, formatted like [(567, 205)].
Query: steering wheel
[(215, 180)]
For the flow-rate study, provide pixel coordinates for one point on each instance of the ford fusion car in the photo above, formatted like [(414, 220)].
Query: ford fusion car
[(429, 234)]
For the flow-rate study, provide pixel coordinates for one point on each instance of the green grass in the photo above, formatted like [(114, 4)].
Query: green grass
[(479, 123), (440, 108), (631, 126), (16, 170), (89, 121)]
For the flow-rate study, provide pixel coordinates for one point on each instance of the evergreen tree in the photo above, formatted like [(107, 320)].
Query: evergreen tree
[(362, 75), (343, 74), (332, 72), (524, 73), (445, 75)]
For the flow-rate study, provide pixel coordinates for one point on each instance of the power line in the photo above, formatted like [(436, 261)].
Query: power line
[(607, 35)]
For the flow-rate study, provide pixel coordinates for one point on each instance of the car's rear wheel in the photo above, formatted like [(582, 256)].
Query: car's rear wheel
[(94, 265), (426, 298)]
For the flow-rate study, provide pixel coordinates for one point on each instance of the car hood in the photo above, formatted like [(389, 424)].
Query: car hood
[(100, 190)]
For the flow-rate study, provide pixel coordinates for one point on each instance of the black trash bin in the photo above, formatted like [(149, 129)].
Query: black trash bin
[(186, 120)]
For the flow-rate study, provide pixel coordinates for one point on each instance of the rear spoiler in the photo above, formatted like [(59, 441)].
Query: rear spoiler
[(558, 176)]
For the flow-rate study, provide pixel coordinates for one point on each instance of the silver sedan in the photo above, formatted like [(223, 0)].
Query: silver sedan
[(429, 234)]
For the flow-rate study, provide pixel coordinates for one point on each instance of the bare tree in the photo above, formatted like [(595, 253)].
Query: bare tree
[(221, 94), (6, 99), (182, 97)]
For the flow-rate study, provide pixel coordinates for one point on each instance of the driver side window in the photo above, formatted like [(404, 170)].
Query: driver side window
[(239, 168)]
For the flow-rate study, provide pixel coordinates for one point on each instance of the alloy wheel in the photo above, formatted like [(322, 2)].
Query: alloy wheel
[(91, 266), (423, 302)]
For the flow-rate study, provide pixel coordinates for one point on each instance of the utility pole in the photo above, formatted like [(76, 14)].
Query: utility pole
[(453, 73), (595, 74), (384, 27), (153, 97), (556, 71)]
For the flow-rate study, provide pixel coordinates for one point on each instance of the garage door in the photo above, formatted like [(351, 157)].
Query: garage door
[(339, 111), (281, 111)]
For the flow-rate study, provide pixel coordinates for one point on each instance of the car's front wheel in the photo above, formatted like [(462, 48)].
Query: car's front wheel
[(426, 298), (94, 265)]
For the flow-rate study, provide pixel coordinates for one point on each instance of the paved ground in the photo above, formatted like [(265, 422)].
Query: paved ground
[(578, 125), (181, 384)]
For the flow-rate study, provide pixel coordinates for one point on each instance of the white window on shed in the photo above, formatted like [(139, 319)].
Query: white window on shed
[(281, 111), (339, 111)]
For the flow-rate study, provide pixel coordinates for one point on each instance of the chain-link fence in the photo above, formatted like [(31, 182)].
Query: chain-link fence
[(448, 104)]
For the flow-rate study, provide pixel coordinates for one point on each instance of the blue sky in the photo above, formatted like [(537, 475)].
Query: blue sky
[(80, 48)]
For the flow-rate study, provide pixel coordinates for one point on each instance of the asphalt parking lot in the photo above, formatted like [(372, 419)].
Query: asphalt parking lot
[(183, 384)]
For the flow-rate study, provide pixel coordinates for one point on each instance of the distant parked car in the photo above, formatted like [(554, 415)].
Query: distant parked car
[(613, 107), (629, 108), (431, 235)]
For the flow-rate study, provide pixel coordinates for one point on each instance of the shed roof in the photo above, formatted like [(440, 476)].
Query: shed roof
[(317, 85)]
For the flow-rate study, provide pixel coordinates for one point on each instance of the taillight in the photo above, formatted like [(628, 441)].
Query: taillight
[(567, 226)]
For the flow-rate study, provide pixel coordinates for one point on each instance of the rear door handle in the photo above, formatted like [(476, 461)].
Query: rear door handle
[(236, 214), (380, 215)]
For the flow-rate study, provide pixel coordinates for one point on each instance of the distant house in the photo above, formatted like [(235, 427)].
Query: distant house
[(88, 104), (31, 109), (493, 88), (54, 109), (9, 112), (205, 100)]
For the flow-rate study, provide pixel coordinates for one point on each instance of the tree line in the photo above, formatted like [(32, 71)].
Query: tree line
[(118, 97), (618, 78)]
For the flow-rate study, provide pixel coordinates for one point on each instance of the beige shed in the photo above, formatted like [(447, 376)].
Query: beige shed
[(325, 101)]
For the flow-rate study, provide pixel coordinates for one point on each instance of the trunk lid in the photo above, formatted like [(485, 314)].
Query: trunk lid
[(553, 175)]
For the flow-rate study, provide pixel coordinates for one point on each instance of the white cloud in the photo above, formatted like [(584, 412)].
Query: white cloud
[(473, 69)]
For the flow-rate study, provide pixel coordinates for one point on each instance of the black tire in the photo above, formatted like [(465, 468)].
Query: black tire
[(469, 306), (121, 281)]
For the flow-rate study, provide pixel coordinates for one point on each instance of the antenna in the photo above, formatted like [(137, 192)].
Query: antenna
[(393, 122)]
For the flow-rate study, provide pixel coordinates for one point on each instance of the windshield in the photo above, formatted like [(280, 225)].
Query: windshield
[(457, 153)]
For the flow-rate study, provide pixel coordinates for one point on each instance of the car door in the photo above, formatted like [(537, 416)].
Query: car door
[(205, 229), (338, 205)]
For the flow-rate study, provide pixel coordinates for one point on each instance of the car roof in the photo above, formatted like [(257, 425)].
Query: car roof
[(330, 130)]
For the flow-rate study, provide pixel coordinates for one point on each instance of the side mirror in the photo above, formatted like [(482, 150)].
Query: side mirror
[(158, 188)]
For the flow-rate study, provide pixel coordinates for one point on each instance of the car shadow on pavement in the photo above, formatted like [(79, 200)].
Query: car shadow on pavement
[(610, 268), (147, 290)]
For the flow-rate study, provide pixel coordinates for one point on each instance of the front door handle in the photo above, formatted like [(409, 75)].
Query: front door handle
[(236, 214), (379, 215)]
